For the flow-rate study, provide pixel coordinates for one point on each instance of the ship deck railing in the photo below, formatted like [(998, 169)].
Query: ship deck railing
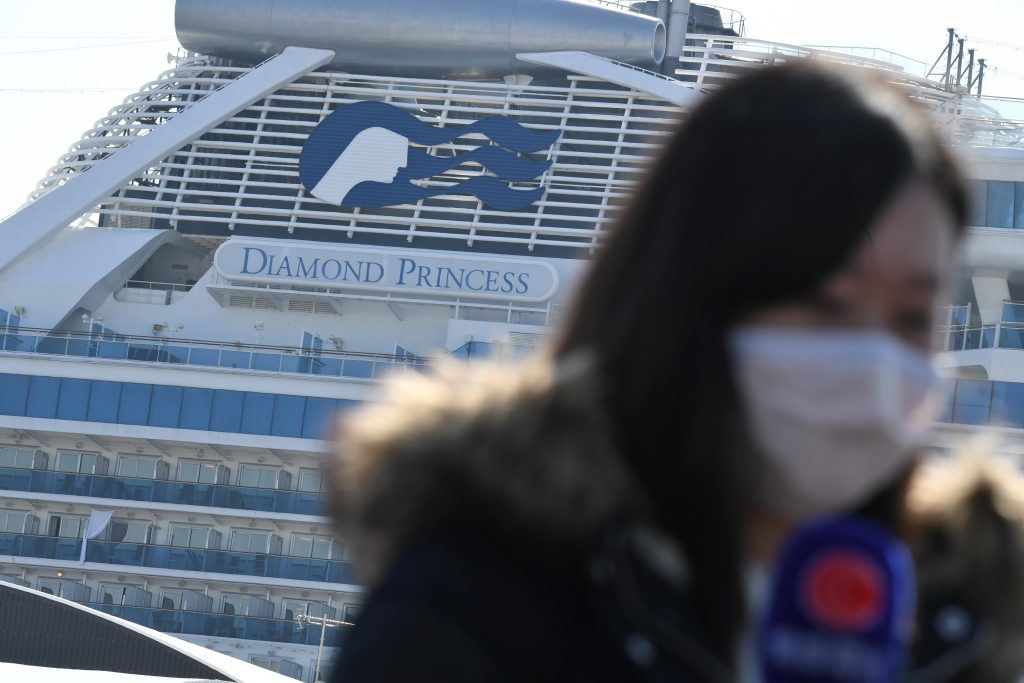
[(189, 622), (167, 491), (169, 350), (154, 556), (709, 61), (960, 333)]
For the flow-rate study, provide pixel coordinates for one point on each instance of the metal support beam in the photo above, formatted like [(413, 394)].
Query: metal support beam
[(678, 25), (35, 224)]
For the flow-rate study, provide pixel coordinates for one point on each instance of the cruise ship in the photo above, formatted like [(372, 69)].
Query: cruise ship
[(319, 193)]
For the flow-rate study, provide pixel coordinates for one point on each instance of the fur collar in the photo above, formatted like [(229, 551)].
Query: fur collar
[(529, 445)]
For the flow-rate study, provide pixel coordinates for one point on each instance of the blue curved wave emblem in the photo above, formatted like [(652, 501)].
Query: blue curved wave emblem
[(370, 154)]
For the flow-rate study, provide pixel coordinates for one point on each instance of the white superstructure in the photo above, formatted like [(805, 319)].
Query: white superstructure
[(181, 318)]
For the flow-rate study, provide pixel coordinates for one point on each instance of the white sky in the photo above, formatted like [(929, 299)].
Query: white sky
[(39, 44)]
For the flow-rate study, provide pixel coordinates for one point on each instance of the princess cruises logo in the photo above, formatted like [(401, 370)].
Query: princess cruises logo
[(373, 154)]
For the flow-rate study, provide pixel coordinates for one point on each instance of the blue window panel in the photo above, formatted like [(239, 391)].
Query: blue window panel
[(973, 392), (165, 410), (266, 361), (970, 415), (196, 408), (1018, 204), (73, 403), (257, 413), (978, 215), (319, 415), (235, 359), (104, 402), (113, 349), (288, 413), (201, 356), (135, 400), (358, 368), (1000, 204), (330, 367), (227, 411), (13, 394), (1008, 404), (1011, 338), (42, 397)]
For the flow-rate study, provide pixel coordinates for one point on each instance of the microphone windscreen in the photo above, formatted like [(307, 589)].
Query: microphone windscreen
[(841, 608)]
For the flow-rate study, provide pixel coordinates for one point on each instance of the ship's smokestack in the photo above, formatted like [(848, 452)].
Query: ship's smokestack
[(461, 38)]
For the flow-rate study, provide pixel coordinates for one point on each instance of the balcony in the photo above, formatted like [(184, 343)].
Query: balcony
[(170, 351), (223, 625), (961, 334), (158, 491), (181, 559)]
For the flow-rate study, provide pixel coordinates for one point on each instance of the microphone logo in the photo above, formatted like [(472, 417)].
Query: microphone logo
[(845, 591)]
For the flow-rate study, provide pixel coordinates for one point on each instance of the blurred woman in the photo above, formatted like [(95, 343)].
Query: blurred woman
[(749, 351)]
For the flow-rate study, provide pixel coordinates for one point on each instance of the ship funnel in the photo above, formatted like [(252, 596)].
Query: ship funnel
[(438, 38)]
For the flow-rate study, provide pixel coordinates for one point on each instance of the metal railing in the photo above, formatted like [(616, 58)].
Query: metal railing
[(960, 332), (235, 356), (182, 559), (163, 491), (220, 625), (157, 293), (709, 61)]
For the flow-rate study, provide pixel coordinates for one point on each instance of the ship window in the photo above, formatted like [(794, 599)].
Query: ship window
[(66, 526), (245, 541), (166, 408), (196, 408), (137, 466), (49, 586), (1000, 207), (236, 604), (197, 472), (184, 536), (112, 594), (134, 409), (258, 477), (311, 481), (79, 462), (171, 599), (227, 411), (74, 399), (316, 547), (351, 613), (42, 397), (257, 413), (13, 522), (1008, 404), (292, 608), (281, 666), (125, 531), (20, 458), (288, 412)]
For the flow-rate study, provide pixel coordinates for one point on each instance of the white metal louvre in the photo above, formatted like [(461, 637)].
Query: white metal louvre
[(243, 175)]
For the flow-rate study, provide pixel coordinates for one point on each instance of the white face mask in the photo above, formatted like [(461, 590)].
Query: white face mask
[(834, 415)]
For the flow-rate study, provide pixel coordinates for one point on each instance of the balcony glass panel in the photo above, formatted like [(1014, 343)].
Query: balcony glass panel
[(1000, 208), (1011, 338), (184, 559), (156, 491), (223, 625)]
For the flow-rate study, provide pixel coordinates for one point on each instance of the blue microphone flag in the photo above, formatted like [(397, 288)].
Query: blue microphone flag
[(842, 606)]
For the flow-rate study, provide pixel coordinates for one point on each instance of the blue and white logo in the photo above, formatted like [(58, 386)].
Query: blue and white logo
[(370, 154)]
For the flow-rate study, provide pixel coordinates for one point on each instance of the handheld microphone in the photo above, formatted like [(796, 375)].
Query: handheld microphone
[(842, 606)]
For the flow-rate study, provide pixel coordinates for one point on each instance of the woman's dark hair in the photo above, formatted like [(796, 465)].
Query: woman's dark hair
[(768, 187)]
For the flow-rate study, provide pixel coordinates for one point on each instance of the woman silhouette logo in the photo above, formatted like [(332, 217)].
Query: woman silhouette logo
[(362, 156)]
